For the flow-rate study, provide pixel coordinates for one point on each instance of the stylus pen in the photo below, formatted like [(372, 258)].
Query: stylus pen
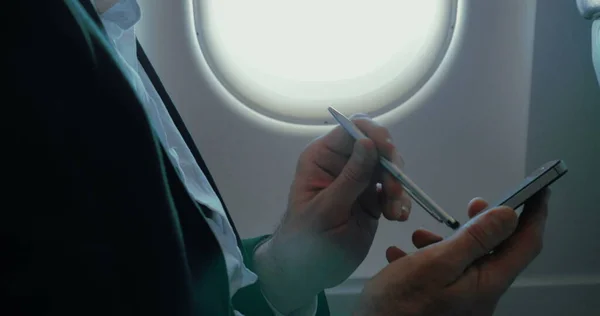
[(411, 188)]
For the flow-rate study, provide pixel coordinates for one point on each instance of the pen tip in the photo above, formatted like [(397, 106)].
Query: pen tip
[(454, 225)]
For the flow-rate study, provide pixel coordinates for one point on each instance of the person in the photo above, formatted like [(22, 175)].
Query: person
[(109, 208)]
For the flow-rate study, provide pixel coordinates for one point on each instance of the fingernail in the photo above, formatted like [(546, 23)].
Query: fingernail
[(405, 210), (402, 211)]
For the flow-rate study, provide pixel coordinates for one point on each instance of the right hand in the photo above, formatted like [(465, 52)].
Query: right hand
[(459, 276)]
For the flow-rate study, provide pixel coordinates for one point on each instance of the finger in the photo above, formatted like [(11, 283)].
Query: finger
[(514, 255), (329, 161), (380, 136), (338, 140), (335, 148), (396, 209), (397, 205), (422, 238), (394, 253), (372, 199), (355, 177), (476, 238), (476, 206)]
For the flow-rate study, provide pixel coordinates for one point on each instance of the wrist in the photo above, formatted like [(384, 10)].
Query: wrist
[(283, 284)]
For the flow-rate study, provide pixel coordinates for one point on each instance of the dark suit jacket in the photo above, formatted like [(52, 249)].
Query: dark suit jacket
[(94, 218)]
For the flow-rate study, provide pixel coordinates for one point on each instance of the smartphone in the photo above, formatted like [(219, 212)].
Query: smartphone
[(534, 183)]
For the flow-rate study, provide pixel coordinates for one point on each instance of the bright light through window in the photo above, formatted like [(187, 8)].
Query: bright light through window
[(291, 59)]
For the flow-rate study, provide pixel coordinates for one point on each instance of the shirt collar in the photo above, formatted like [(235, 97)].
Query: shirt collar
[(122, 16)]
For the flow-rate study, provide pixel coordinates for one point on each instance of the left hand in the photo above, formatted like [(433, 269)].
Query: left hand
[(335, 202), (459, 275)]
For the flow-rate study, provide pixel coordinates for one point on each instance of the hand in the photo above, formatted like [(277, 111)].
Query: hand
[(336, 199), (459, 276)]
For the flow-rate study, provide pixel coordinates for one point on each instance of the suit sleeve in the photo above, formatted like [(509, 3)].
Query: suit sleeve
[(250, 301), (64, 195)]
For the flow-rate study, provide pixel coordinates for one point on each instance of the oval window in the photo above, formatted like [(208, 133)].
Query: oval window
[(290, 60)]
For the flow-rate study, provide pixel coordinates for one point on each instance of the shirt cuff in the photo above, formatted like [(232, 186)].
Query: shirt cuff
[(308, 310)]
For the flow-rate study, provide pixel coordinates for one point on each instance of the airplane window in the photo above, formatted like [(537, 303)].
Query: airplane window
[(290, 60)]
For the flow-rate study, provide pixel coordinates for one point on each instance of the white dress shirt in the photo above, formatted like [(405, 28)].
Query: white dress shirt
[(119, 23)]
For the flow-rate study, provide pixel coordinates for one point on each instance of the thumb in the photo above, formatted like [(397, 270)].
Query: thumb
[(477, 238), (356, 174)]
